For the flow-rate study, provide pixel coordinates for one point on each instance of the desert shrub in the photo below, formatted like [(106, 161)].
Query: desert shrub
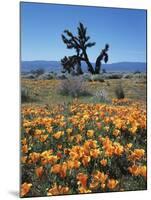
[(119, 92), (135, 75), (128, 76), (28, 96), (137, 72), (62, 77), (52, 72), (25, 96), (101, 96), (141, 75), (114, 76), (38, 72), (97, 77), (73, 86), (29, 76), (86, 77), (46, 76)]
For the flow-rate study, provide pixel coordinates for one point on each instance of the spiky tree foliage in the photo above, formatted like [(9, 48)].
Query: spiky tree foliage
[(69, 63), (103, 56), (80, 43)]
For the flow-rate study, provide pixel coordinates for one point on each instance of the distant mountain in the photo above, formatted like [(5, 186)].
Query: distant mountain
[(27, 66), (126, 66), (55, 66)]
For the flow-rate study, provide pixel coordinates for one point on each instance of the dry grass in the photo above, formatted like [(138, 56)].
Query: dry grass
[(46, 91)]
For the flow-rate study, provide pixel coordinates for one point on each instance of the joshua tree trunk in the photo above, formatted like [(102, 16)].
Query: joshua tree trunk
[(98, 64), (79, 69), (103, 56), (90, 67)]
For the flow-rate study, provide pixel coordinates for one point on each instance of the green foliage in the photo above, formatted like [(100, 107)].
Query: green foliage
[(119, 92)]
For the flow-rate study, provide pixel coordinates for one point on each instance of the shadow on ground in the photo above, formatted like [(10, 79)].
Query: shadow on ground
[(14, 193)]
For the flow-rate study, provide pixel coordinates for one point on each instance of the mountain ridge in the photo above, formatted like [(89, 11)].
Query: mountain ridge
[(55, 66)]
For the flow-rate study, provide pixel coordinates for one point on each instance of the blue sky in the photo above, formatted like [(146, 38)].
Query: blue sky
[(43, 24)]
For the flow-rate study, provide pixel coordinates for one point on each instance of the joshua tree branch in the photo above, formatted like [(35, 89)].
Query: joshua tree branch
[(103, 55)]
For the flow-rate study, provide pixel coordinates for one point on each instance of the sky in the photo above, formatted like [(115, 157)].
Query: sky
[(42, 25)]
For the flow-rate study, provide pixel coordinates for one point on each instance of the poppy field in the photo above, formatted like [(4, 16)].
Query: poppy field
[(81, 147)]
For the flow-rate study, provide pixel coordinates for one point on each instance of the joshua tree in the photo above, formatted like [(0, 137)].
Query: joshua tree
[(80, 43)]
